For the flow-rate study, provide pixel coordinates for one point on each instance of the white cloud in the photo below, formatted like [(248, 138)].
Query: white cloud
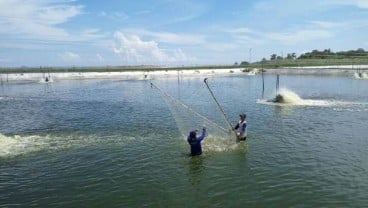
[(180, 56), (3, 60), (363, 4), (249, 40), (38, 18), (133, 50), (179, 39), (41, 25), (328, 25), (220, 46), (300, 36), (100, 58), (70, 57), (244, 36), (142, 12), (182, 11), (89, 34), (274, 9), (102, 14), (53, 15), (240, 30), (262, 5), (114, 15), (166, 37), (289, 8), (312, 30)]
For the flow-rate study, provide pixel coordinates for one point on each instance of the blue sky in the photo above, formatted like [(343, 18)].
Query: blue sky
[(172, 32)]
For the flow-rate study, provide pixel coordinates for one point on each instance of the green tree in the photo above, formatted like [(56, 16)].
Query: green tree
[(291, 56), (273, 57), (360, 50)]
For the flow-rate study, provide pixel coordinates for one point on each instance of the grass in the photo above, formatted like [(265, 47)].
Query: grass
[(312, 62)]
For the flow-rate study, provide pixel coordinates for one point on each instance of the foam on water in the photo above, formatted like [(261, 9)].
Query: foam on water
[(11, 146), (290, 98), (19, 145), (360, 75), (43, 80), (218, 144)]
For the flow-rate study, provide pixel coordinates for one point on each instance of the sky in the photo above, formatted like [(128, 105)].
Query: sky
[(51, 33)]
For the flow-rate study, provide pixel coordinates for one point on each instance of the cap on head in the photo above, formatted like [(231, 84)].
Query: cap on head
[(243, 116)]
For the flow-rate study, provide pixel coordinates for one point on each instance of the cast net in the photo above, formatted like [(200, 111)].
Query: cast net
[(219, 135)]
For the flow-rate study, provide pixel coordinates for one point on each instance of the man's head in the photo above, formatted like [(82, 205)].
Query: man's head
[(193, 134), (243, 116)]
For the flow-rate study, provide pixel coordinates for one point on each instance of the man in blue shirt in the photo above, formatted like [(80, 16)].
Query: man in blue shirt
[(195, 142)]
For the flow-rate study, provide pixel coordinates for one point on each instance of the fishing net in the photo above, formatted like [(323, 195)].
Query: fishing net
[(188, 119)]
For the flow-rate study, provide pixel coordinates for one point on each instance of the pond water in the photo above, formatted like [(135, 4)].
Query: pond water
[(118, 143)]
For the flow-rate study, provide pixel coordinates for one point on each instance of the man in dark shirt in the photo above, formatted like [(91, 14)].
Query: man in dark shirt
[(195, 142)]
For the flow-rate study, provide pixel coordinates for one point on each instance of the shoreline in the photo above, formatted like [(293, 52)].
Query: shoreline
[(146, 75)]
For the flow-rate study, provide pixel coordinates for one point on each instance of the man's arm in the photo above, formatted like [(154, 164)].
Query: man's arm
[(237, 126), (203, 135)]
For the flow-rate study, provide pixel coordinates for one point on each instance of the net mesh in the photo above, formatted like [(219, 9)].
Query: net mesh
[(188, 119)]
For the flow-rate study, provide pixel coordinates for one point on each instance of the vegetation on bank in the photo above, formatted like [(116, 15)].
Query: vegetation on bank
[(313, 58)]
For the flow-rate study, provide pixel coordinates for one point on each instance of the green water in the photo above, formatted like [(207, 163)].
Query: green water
[(115, 143)]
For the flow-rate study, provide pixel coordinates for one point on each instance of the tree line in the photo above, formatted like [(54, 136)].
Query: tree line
[(315, 54), (324, 54), (327, 53)]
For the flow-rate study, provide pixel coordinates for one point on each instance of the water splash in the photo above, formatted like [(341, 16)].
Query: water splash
[(16, 145), (219, 144), (287, 97), (360, 75), (43, 80)]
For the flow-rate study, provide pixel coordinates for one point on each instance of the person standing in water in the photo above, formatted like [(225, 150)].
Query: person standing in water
[(241, 128), (195, 142)]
